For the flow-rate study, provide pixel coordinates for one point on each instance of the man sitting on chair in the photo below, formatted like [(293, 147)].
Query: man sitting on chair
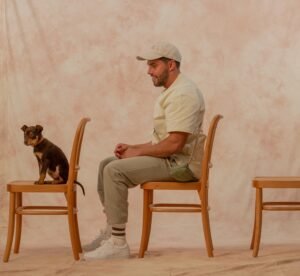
[(177, 123)]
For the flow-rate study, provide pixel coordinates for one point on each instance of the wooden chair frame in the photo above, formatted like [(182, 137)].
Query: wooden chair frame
[(260, 183), (201, 187), (17, 210)]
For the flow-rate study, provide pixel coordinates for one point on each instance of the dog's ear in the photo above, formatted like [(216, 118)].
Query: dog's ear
[(24, 127), (39, 128)]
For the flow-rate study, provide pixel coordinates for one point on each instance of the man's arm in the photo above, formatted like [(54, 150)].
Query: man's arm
[(121, 148), (172, 144)]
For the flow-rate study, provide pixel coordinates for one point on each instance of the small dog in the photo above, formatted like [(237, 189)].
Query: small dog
[(50, 157)]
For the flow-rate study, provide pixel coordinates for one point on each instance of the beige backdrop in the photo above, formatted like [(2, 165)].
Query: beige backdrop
[(62, 60)]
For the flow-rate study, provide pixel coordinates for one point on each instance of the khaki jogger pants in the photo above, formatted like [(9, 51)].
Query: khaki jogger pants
[(116, 176)]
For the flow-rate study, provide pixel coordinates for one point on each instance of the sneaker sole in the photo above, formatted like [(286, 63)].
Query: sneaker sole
[(119, 256)]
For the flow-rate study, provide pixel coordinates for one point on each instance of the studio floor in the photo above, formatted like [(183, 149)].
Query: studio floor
[(273, 260)]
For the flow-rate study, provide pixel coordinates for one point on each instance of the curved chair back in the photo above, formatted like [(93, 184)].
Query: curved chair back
[(75, 155), (206, 162)]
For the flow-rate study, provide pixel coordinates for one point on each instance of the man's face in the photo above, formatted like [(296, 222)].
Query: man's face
[(159, 72)]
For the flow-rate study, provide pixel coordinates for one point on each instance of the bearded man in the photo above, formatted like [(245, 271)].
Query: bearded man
[(177, 127)]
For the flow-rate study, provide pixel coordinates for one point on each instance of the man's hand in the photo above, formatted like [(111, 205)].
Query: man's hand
[(130, 152), (120, 149), (125, 151), (170, 145)]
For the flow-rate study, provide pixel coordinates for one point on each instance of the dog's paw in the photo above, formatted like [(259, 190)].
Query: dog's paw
[(38, 182)]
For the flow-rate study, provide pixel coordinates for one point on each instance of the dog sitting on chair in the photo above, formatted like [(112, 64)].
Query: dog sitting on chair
[(50, 157)]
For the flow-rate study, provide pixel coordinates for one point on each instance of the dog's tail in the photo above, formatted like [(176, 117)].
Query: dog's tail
[(81, 186)]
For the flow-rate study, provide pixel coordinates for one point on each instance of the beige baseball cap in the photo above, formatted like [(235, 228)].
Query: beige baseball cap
[(159, 50)]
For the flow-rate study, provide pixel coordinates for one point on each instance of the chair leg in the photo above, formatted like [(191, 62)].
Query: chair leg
[(72, 230), (209, 229), (77, 229), (78, 242), (207, 234), (253, 232), (206, 226), (11, 226), (258, 221), (150, 197), (146, 227), (18, 224)]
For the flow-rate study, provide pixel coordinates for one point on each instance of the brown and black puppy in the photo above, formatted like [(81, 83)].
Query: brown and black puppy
[(51, 158)]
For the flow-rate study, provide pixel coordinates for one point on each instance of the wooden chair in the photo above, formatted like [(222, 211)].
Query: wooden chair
[(201, 187), (17, 210), (260, 183)]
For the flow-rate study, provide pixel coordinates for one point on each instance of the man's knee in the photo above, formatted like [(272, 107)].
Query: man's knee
[(111, 169), (105, 162)]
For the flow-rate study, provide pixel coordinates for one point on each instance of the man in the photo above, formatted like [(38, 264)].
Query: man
[(178, 116)]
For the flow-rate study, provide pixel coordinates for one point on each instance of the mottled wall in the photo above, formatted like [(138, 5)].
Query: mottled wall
[(62, 60)]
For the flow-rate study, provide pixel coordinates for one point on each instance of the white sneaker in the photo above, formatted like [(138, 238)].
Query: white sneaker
[(98, 240), (108, 250)]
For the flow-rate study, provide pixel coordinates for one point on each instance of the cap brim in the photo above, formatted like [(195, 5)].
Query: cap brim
[(140, 58), (148, 56)]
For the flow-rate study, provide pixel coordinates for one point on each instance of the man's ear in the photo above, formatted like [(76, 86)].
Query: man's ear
[(39, 128), (172, 65), (24, 127)]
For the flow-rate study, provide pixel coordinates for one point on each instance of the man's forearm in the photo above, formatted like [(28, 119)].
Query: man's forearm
[(164, 148), (172, 144), (140, 146)]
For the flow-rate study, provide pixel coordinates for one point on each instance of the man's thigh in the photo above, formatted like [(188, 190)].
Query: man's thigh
[(142, 169)]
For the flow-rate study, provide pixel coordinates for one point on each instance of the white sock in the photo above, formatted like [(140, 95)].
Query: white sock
[(118, 235)]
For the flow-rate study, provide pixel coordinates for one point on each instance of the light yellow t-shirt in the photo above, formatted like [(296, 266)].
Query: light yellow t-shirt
[(181, 108)]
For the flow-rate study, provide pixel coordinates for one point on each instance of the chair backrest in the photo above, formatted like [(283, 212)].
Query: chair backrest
[(75, 155), (206, 164)]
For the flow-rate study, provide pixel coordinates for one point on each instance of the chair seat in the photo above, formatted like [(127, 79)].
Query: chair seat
[(276, 182), (171, 186), (29, 186)]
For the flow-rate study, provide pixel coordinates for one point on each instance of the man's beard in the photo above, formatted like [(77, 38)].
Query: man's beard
[(161, 80)]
